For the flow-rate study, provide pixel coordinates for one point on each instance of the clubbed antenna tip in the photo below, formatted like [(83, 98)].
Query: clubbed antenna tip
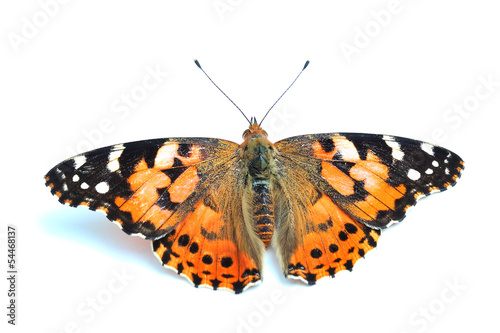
[(199, 66), (303, 68)]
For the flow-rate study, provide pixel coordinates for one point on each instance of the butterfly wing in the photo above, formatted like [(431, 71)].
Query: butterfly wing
[(143, 186), (184, 193), (314, 237), (374, 178), (214, 246), (353, 185)]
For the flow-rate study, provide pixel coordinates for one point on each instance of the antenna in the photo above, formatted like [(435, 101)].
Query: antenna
[(303, 68), (199, 66)]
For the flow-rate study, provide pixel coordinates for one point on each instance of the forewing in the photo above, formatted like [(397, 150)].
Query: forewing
[(146, 187), (374, 178)]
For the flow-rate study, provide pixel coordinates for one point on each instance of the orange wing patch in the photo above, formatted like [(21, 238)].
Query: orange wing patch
[(341, 182), (380, 196), (155, 194), (334, 242), (184, 185), (147, 184), (201, 250)]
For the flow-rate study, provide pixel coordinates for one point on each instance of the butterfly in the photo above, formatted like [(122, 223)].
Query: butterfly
[(212, 207)]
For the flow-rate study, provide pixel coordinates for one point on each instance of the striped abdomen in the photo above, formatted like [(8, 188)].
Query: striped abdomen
[(263, 210)]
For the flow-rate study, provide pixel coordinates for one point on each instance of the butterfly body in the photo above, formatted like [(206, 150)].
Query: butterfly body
[(211, 207), (257, 155)]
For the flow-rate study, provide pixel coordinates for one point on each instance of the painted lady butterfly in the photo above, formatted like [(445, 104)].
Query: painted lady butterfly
[(211, 207)]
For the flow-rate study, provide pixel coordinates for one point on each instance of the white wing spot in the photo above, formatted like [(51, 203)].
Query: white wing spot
[(76, 178), (447, 171), (65, 187), (113, 165), (429, 171), (435, 164), (84, 186), (79, 161), (398, 154), (102, 187), (429, 149), (413, 174), (396, 148)]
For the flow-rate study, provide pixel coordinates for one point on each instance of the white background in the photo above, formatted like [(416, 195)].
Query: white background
[(66, 66)]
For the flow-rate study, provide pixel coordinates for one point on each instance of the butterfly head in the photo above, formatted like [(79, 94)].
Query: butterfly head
[(257, 150), (254, 129)]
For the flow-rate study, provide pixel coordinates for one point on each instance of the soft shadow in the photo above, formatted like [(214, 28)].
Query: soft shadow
[(96, 231)]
